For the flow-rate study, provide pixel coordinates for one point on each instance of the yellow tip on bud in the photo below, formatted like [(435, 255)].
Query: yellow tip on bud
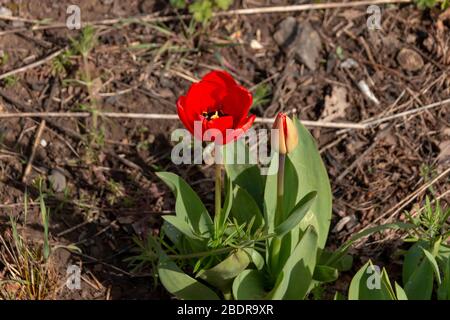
[(287, 134)]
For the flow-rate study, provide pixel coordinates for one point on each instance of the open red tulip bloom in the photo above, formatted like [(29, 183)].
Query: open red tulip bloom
[(216, 102)]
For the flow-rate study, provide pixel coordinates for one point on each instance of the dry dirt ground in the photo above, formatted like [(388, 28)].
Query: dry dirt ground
[(111, 193)]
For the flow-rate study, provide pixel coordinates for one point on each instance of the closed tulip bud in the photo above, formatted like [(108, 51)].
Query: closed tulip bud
[(287, 134)]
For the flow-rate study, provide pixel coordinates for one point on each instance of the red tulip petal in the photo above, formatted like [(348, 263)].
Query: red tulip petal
[(247, 123), (240, 130), (221, 78), (221, 124), (237, 103), (182, 114), (203, 97)]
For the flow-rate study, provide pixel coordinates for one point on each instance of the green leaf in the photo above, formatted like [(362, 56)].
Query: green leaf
[(181, 226), (412, 259), (312, 175), (304, 172), (293, 283), (224, 4), (339, 253), (339, 296), (297, 214), (172, 233), (180, 284), (179, 4), (244, 208), (45, 215), (443, 292), (420, 284), (227, 203), (256, 258), (201, 10), (325, 274), (401, 295), (368, 284), (433, 263), (188, 205), (443, 254), (270, 195), (221, 276), (249, 285), (246, 175), (344, 263)]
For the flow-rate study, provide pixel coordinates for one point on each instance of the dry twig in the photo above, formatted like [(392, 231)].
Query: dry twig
[(37, 139)]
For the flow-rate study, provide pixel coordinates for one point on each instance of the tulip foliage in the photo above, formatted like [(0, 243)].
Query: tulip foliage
[(231, 256), (426, 265), (266, 239)]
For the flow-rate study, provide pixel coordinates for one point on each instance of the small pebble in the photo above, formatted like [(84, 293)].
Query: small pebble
[(43, 143), (256, 45), (57, 180), (5, 12), (410, 60), (18, 24), (349, 63)]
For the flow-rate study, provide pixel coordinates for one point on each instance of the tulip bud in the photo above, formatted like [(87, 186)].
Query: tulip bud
[(287, 134)]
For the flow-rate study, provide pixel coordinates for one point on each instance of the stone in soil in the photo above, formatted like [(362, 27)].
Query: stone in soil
[(57, 180), (410, 60), (301, 39)]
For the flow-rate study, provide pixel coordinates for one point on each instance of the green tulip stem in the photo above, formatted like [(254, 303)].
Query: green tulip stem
[(280, 190), (276, 242), (218, 195)]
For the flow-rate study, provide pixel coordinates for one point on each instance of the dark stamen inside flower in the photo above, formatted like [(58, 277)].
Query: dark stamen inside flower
[(213, 114)]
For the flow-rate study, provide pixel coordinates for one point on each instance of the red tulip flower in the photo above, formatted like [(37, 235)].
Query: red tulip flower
[(216, 102)]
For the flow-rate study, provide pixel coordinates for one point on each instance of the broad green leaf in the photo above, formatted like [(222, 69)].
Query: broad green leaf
[(296, 215), (344, 263), (369, 283), (444, 253), (222, 275), (180, 284), (420, 284), (412, 260), (244, 208), (188, 206), (181, 226), (386, 284), (401, 295), (256, 258), (249, 285), (443, 292), (172, 233), (434, 264), (295, 278), (312, 176), (247, 174), (325, 274)]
